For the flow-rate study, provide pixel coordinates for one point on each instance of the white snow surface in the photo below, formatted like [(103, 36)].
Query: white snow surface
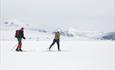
[(75, 55)]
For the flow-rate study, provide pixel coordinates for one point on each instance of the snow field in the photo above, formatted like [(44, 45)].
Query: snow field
[(75, 55)]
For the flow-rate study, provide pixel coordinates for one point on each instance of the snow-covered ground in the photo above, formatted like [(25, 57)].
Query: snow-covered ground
[(80, 50), (75, 55)]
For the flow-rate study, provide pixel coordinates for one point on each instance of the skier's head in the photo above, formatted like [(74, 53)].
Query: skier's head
[(58, 30), (22, 28)]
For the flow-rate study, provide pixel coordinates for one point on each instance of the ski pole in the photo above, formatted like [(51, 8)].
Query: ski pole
[(13, 47)]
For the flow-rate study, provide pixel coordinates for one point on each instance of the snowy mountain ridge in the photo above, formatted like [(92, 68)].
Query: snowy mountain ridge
[(33, 32)]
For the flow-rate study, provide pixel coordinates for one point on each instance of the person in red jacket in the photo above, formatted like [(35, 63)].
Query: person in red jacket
[(19, 35)]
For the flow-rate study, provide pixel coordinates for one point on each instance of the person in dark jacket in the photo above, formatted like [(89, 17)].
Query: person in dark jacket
[(56, 40), (19, 35)]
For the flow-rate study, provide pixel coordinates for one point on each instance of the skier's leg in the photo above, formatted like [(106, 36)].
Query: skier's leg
[(52, 44), (17, 49), (20, 44), (58, 44)]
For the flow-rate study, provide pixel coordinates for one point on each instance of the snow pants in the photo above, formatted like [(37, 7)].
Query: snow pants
[(19, 43), (55, 41)]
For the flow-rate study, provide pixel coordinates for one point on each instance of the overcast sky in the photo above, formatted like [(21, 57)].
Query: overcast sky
[(84, 15)]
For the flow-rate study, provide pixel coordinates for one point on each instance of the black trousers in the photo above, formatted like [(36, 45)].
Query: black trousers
[(55, 41)]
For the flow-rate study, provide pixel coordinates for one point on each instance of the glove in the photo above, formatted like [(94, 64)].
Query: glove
[(24, 38)]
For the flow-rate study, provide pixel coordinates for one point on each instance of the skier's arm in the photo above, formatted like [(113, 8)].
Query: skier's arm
[(23, 35)]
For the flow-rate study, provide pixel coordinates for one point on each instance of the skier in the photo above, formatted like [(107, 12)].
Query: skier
[(19, 35), (56, 39)]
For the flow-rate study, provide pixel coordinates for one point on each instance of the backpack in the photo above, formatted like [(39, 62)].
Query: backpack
[(17, 33)]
